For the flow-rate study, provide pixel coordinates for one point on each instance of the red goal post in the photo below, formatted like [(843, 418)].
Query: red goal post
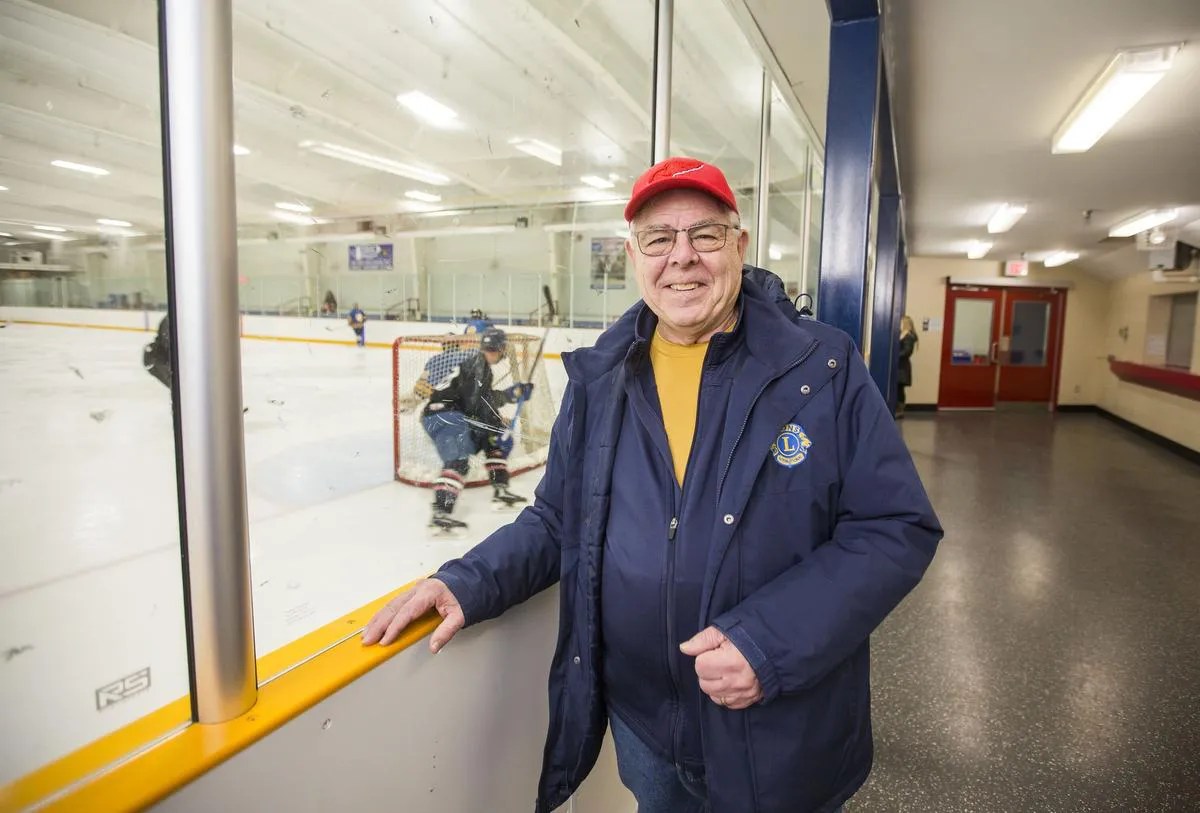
[(414, 459)]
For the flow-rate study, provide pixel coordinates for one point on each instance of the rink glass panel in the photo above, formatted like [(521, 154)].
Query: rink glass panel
[(789, 191), (716, 103), (91, 596), (421, 161)]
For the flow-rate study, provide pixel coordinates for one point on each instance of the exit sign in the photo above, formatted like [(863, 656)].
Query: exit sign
[(1016, 268)]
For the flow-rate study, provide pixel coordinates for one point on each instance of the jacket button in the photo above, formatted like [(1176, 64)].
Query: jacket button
[(832, 363), (729, 519), (805, 389), (576, 660)]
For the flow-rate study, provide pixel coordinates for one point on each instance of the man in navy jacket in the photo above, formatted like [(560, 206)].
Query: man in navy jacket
[(730, 511)]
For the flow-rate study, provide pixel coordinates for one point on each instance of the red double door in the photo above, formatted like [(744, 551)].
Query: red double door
[(1000, 345)]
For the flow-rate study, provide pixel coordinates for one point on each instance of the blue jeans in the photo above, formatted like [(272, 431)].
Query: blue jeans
[(658, 785)]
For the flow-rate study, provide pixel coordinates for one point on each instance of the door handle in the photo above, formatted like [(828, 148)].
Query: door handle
[(993, 355)]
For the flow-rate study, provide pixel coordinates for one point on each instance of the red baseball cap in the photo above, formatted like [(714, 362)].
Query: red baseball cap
[(679, 173)]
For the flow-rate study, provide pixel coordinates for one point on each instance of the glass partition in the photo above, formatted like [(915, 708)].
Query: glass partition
[(717, 97), (416, 166), (789, 196), (91, 596)]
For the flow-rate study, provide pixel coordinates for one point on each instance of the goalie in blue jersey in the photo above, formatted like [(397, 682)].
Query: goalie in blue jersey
[(462, 418)]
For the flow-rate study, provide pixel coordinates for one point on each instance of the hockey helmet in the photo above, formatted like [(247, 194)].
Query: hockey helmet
[(493, 339)]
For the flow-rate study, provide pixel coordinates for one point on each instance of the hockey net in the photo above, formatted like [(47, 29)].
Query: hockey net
[(415, 460)]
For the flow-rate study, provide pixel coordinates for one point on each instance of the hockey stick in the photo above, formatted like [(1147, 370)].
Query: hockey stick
[(524, 396)]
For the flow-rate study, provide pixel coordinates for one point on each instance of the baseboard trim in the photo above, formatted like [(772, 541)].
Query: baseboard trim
[(1185, 452), (920, 407), (1077, 408)]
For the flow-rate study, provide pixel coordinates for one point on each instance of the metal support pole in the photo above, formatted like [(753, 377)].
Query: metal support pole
[(854, 59), (660, 121), (806, 226), (762, 237), (198, 43)]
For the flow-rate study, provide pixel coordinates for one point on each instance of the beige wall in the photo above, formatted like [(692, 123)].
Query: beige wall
[(1132, 299), (1083, 367)]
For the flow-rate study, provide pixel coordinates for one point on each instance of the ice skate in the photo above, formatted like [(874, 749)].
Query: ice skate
[(445, 525), (505, 500)]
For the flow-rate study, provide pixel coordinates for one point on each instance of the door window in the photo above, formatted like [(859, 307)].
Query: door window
[(972, 331), (1030, 331)]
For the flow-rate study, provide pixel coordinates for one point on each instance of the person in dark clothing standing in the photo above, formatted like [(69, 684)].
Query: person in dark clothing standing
[(156, 356), (904, 376)]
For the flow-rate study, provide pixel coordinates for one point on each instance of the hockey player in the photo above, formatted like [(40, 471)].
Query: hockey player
[(478, 323), (156, 356), (358, 321), (463, 418)]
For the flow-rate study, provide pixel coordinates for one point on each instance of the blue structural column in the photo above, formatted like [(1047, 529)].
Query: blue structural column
[(854, 51), (884, 356)]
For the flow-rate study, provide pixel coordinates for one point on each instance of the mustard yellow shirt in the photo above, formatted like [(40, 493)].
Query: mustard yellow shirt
[(677, 369)]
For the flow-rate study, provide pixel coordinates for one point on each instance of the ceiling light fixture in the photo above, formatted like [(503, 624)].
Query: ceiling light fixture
[(90, 170), (50, 228), (238, 149), (538, 149), (978, 249), (3, 188), (426, 197), (1142, 222), (1060, 258), (299, 220), (5, 234), (596, 181), (1005, 218), (775, 252), (116, 232), (41, 235), (376, 162), (104, 221), (418, 207), (594, 226), (293, 207), (431, 110), (1126, 78)]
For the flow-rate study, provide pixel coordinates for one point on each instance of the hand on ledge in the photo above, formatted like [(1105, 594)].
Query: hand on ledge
[(398, 613)]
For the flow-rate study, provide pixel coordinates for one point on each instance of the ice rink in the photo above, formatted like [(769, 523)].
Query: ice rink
[(90, 526)]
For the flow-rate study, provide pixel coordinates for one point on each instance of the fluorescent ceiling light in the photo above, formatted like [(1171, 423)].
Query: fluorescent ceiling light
[(90, 170), (376, 162), (3, 188), (117, 232), (1124, 81), (539, 149), (596, 181), (41, 235), (5, 234), (12, 243), (1005, 218), (418, 207), (431, 110), (104, 221), (1142, 222), (293, 207), (978, 249), (50, 228), (775, 252), (427, 197), (238, 149), (1060, 258), (300, 220)]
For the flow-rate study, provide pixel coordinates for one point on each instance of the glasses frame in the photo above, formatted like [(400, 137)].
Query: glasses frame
[(725, 227)]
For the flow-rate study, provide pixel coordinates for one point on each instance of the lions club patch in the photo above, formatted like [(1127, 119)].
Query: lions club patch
[(792, 445)]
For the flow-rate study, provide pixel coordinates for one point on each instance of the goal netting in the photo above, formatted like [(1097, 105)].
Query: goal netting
[(415, 460)]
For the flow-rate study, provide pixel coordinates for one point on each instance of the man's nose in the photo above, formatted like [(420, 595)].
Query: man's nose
[(682, 252)]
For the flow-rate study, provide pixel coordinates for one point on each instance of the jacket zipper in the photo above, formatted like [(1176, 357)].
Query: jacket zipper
[(746, 420)]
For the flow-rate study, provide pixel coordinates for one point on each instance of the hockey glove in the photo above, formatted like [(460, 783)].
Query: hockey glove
[(516, 391)]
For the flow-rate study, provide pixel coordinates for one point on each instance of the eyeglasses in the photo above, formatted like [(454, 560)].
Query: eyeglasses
[(705, 237)]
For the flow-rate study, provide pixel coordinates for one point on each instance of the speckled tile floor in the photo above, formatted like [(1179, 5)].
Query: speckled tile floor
[(1050, 659)]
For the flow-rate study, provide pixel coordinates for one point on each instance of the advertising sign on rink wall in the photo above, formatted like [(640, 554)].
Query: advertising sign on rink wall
[(608, 263), (371, 257)]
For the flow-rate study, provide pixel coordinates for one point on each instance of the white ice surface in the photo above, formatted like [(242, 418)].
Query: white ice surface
[(90, 579)]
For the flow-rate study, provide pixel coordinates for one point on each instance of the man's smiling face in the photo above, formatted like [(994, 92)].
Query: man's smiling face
[(692, 292)]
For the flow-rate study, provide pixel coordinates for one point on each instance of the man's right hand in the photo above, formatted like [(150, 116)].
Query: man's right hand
[(398, 613)]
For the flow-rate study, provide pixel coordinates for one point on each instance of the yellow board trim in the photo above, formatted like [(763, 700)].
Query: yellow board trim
[(128, 770), (254, 336)]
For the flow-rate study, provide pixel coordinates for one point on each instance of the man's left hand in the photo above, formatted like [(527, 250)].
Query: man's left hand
[(725, 675)]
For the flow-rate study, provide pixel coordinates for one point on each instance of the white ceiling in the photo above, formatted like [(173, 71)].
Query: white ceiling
[(980, 87), (79, 81)]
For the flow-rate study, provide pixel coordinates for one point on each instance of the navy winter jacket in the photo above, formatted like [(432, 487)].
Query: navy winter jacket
[(806, 557)]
